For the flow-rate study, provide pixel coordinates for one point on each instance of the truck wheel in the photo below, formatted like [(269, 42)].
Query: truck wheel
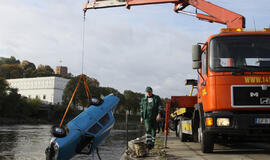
[(206, 140), (182, 136), (195, 136)]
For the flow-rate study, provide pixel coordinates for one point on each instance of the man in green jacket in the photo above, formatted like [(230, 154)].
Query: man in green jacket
[(150, 115)]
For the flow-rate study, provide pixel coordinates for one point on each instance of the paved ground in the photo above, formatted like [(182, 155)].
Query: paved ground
[(191, 151), (177, 150)]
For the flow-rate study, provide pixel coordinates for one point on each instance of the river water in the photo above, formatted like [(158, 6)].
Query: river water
[(28, 142)]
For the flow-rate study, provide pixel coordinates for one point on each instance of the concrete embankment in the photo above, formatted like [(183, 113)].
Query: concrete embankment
[(177, 150)]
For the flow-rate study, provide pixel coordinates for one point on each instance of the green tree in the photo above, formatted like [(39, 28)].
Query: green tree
[(29, 72), (13, 105), (95, 91), (26, 64), (80, 97), (68, 76), (9, 71), (132, 100), (11, 60), (3, 86), (3, 93), (16, 72), (108, 90), (43, 71), (28, 69), (10, 103), (32, 108), (4, 71)]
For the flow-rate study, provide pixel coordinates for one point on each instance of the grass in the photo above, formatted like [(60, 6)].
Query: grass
[(159, 149)]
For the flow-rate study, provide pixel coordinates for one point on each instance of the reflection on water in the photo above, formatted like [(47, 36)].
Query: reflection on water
[(28, 142), (23, 142)]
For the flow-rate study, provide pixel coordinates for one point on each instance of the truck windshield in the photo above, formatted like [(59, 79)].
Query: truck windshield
[(240, 53)]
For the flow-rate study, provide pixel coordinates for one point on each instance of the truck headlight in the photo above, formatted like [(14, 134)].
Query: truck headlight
[(223, 122)]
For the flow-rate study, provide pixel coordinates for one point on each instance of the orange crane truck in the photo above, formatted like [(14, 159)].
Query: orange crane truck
[(233, 99)]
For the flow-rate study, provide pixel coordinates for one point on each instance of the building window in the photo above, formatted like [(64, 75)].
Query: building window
[(44, 96), (36, 96)]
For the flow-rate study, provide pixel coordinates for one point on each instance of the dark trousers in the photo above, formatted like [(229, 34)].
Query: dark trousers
[(150, 128)]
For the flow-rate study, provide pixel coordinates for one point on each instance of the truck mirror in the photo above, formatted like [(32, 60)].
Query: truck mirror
[(196, 64), (196, 52), (192, 82)]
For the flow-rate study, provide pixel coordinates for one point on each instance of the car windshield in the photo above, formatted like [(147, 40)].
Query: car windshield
[(240, 53)]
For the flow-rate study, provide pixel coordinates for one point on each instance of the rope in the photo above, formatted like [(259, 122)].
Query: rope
[(70, 101)]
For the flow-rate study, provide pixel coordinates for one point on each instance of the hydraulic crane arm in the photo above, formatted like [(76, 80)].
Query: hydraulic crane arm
[(214, 13)]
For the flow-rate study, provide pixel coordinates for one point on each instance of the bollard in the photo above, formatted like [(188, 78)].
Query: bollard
[(127, 128), (167, 119)]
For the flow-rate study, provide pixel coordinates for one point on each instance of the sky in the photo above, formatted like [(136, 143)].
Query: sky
[(124, 49)]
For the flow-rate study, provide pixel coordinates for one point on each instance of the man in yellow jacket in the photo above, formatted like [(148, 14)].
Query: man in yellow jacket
[(150, 115)]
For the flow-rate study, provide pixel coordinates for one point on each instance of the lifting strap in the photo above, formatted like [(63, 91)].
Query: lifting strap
[(82, 76), (87, 91)]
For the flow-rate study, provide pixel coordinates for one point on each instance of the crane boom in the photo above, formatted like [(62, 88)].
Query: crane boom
[(214, 13)]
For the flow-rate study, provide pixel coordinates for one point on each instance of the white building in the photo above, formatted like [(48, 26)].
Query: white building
[(47, 89)]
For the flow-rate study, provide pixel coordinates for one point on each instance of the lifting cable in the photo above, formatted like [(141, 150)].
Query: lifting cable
[(83, 39), (82, 76)]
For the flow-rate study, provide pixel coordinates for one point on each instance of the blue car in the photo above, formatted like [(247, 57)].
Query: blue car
[(84, 133)]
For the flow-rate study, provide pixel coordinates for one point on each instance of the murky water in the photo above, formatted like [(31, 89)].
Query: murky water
[(28, 142)]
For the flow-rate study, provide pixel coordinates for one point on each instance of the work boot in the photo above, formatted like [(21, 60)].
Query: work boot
[(150, 146)]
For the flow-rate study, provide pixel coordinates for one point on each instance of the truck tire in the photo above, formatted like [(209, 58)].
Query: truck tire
[(195, 135), (195, 126), (206, 140), (182, 136)]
